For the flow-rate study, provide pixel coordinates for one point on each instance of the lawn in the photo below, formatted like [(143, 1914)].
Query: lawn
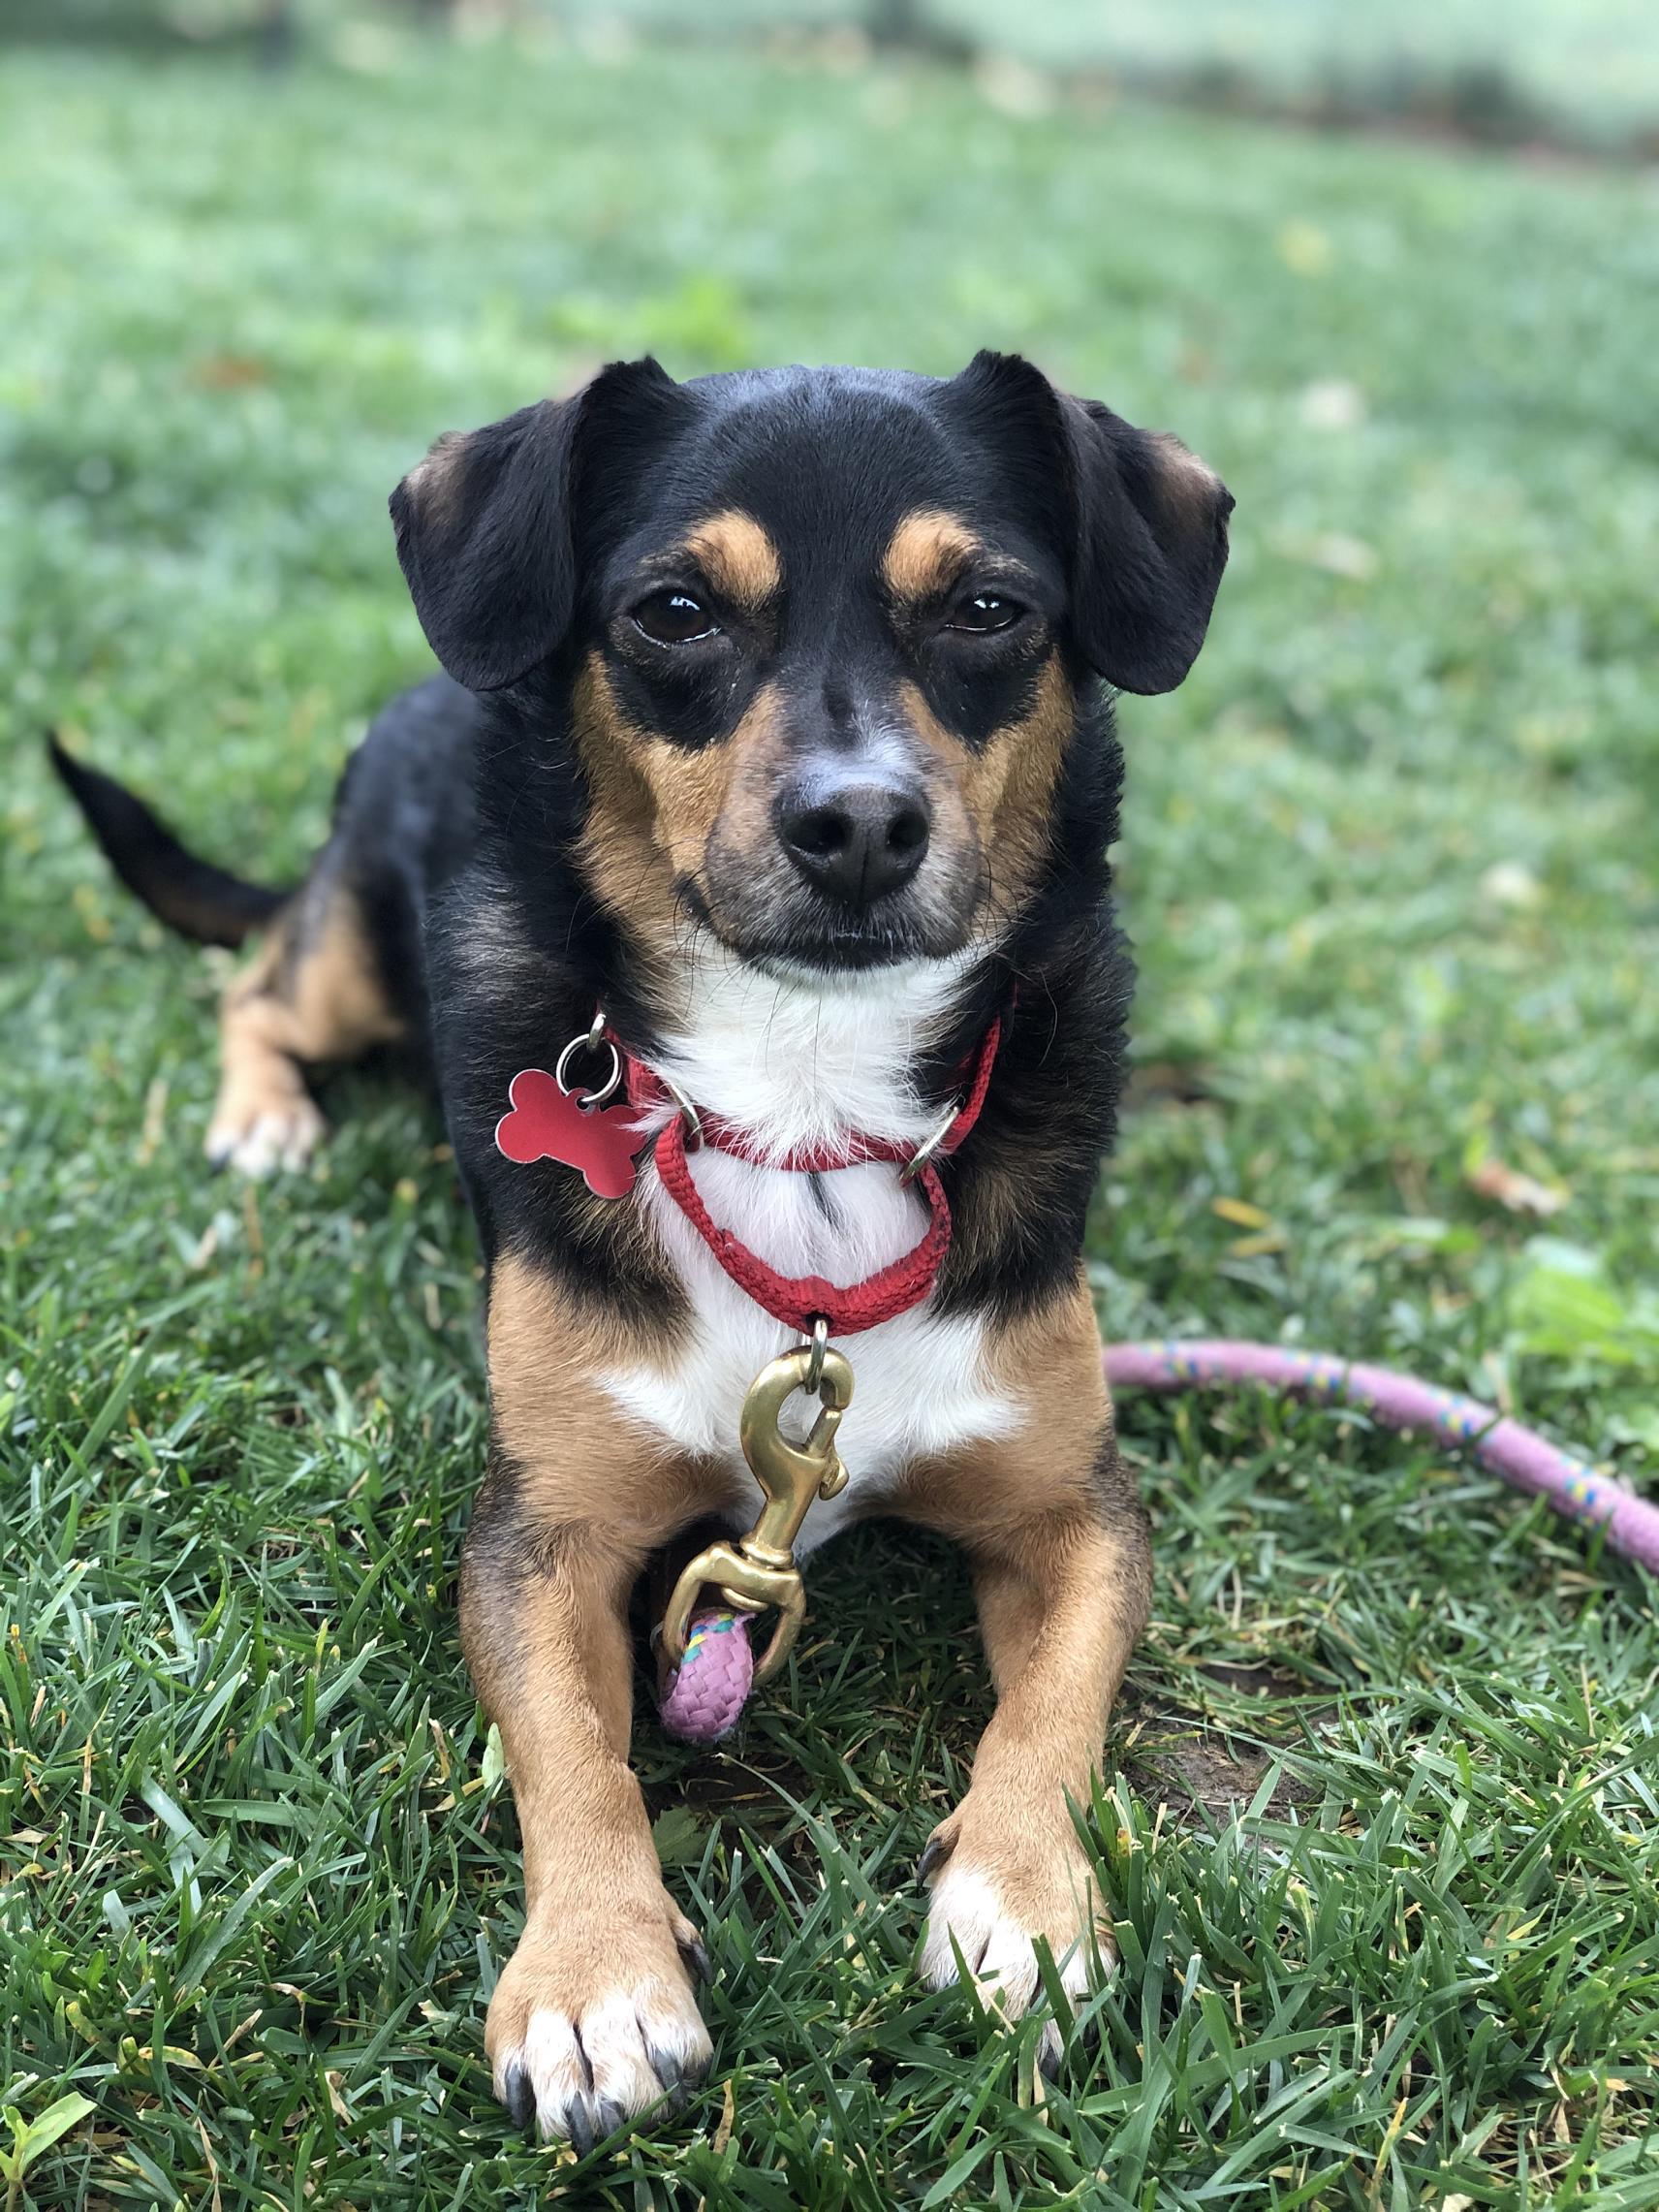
[(1379, 1819)]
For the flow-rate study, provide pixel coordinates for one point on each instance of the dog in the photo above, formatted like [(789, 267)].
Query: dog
[(773, 756)]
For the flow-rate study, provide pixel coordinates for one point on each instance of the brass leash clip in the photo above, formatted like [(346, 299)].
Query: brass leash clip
[(759, 1570)]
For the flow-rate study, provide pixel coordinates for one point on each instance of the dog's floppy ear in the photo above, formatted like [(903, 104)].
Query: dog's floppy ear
[(1149, 524), (1152, 544), (485, 531)]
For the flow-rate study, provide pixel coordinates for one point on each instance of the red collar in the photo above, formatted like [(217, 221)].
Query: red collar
[(549, 1119), (799, 1301)]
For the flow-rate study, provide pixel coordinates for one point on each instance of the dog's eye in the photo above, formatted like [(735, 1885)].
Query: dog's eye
[(982, 610), (674, 619)]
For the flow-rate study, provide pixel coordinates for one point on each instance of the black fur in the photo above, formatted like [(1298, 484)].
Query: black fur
[(525, 545), (1147, 551), (484, 528), (189, 895)]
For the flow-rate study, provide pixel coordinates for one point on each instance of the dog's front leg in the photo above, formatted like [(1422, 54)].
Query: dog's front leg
[(1062, 1573), (593, 2018)]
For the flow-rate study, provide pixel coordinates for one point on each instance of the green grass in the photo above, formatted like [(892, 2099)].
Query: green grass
[(1380, 1821)]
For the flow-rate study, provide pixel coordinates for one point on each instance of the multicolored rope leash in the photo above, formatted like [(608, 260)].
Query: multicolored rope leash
[(1521, 1455), (706, 1700)]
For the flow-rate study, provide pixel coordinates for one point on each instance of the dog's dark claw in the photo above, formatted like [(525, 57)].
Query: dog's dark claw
[(698, 1959), (937, 1851), (581, 2126), (665, 2066), (519, 2098), (608, 2117)]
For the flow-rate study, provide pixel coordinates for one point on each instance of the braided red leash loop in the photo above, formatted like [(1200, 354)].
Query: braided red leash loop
[(798, 1301)]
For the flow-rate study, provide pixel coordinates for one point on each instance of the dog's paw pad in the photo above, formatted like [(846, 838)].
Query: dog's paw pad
[(258, 1145)]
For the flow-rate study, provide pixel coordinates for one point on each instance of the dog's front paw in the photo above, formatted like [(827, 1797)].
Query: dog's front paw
[(594, 2020), (997, 1885), (256, 1140)]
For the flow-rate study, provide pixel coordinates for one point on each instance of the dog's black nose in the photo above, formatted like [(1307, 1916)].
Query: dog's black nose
[(855, 839)]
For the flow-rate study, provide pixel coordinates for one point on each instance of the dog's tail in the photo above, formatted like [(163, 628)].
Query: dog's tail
[(189, 895)]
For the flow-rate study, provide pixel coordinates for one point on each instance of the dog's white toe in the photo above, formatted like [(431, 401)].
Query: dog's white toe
[(581, 2077), (280, 1137), (970, 1915)]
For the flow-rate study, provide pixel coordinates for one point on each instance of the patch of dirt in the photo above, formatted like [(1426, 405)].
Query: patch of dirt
[(1182, 1754), (1197, 1775), (1253, 1681), (1166, 1083)]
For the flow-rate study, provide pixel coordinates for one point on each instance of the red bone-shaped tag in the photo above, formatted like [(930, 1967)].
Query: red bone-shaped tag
[(550, 1123)]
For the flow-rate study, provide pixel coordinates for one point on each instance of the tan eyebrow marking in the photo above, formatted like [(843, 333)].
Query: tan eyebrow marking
[(737, 558), (928, 551)]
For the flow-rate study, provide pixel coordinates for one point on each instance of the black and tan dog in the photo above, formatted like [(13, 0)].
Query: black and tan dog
[(774, 725)]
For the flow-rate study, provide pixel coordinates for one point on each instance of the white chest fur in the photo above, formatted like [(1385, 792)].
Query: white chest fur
[(795, 1065)]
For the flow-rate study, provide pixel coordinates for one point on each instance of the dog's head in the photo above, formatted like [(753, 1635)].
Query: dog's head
[(823, 636)]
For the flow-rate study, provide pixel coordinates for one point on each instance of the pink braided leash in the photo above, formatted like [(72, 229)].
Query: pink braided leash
[(1519, 1455), (705, 1699)]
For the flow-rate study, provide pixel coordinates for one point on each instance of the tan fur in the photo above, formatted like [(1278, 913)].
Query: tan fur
[(1049, 1363), (1059, 1612), (312, 996), (1005, 790), (656, 807), (1188, 484), (547, 1647), (726, 790), (623, 857), (1061, 1572), (926, 553), (580, 1456), (737, 558), (577, 1498), (435, 481)]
